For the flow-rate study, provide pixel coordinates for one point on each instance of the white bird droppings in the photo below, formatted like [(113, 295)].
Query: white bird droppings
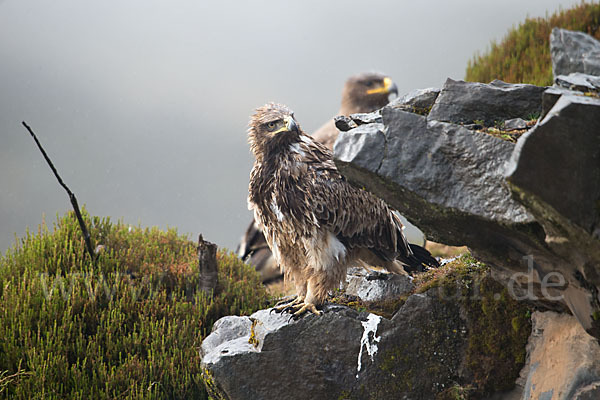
[(369, 326)]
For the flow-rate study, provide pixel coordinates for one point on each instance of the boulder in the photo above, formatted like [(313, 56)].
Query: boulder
[(574, 52), (437, 342), (465, 102), (529, 210)]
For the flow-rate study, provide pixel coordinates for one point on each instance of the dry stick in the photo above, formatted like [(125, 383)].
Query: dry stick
[(86, 234)]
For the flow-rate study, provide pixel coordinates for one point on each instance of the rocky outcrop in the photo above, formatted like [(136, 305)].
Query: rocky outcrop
[(574, 52), (444, 340), (529, 208)]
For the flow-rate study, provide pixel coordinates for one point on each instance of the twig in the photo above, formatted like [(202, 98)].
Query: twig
[(86, 234)]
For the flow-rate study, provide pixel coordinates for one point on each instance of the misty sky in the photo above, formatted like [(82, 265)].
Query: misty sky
[(143, 105)]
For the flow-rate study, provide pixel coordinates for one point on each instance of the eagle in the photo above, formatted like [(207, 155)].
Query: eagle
[(316, 224), (362, 93)]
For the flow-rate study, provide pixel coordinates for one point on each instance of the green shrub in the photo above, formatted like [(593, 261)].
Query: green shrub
[(128, 327), (523, 56)]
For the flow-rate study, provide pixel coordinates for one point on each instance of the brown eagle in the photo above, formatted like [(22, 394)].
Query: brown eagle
[(362, 93), (315, 222)]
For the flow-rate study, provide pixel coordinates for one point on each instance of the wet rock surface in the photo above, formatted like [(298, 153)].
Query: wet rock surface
[(574, 52)]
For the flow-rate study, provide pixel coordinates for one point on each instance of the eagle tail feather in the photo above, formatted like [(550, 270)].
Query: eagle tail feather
[(420, 260)]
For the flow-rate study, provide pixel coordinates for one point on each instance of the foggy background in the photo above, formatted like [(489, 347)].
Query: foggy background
[(143, 105)]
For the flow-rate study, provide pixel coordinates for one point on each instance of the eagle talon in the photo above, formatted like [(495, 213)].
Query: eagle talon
[(286, 305), (303, 308)]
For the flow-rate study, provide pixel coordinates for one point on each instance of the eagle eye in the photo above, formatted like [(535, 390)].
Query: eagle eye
[(369, 83), (271, 125)]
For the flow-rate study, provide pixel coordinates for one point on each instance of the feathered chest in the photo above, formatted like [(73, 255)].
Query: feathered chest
[(279, 188)]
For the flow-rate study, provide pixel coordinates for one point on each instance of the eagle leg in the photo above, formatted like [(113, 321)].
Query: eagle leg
[(287, 304)]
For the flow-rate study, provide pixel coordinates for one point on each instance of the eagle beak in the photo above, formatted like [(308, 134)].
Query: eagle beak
[(290, 124), (388, 87)]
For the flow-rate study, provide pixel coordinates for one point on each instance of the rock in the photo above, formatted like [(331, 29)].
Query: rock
[(370, 287), (416, 162), (574, 52), (452, 183), (563, 147), (551, 96), (466, 102), (561, 155), (430, 346), (515, 123), (344, 123), (366, 118), (563, 362), (355, 139), (579, 82), (419, 101)]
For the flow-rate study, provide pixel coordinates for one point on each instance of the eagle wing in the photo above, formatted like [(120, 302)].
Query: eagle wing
[(356, 217)]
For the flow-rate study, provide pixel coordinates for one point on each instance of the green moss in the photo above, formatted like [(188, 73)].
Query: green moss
[(499, 329), (498, 325), (127, 327), (523, 55), (384, 308)]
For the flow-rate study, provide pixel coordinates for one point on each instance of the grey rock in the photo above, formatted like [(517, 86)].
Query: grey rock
[(366, 118), (342, 352), (355, 139), (376, 286), (564, 148), (423, 151), (574, 52), (555, 172), (551, 96), (466, 102), (344, 123), (579, 82), (515, 123), (541, 222), (419, 100)]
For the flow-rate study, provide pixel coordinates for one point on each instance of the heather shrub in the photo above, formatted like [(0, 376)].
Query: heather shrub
[(128, 326)]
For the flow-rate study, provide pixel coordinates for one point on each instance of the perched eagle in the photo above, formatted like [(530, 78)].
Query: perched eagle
[(362, 93), (315, 223)]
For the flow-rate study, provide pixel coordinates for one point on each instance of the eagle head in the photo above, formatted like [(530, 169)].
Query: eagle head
[(367, 91), (271, 127)]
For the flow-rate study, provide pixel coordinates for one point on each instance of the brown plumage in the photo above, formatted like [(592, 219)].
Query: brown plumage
[(365, 92), (315, 223)]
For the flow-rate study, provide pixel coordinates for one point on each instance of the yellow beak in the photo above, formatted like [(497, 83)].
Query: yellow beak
[(290, 126), (388, 87)]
